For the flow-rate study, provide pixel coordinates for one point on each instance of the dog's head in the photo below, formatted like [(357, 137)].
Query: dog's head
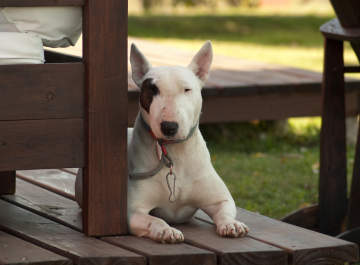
[(170, 96)]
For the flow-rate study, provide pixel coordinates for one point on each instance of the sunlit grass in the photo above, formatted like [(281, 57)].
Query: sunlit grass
[(305, 126)]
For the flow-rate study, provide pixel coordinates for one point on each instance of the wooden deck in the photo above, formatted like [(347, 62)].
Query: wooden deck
[(243, 89), (41, 224)]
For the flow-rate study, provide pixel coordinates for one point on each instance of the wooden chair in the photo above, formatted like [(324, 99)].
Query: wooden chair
[(334, 206), (336, 214), (72, 112)]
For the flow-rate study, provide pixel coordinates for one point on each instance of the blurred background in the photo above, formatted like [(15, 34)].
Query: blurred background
[(270, 167)]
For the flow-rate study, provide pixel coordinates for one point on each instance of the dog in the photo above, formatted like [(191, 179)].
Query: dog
[(170, 171)]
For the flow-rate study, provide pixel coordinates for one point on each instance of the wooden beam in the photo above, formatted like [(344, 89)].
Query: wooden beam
[(62, 240), (7, 182), (44, 91), (105, 177), (352, 69), (161, 254), (332, 184), (15, 251), (267, 106), (37, 144), (296, 241)]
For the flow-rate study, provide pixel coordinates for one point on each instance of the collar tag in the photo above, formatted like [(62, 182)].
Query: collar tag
[(171, 182)]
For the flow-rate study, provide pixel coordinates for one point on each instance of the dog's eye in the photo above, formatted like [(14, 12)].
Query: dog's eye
[(187, 90), (154, 89)]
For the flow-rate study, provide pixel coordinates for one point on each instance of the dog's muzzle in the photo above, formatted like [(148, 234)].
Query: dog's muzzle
[(169, 128)]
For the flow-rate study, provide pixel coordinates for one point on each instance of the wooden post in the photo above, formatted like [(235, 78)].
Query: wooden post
[(105, 176), (7, 182), (332, 185), (354, 202)]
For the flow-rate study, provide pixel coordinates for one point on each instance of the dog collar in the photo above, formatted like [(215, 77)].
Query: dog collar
[(165, 159)]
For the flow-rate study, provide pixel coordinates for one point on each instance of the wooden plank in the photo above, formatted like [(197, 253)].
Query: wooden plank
[(351, 69), (30, 3), (332, 183), (61, 239), (105, 177), (45, 91), (157, 254), (54, 180), (14, 251), (7, 182), (354, 201), (41, 144), (300, 242), (271, 106), (65, 211), (232, 251), (304, 246), (47, 204)]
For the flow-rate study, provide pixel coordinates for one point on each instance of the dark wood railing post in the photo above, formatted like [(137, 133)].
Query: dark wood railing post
[(7, 182), (332, 184), (105, 174)]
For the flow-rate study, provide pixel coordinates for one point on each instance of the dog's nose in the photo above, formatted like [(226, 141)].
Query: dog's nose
[(169, 128)]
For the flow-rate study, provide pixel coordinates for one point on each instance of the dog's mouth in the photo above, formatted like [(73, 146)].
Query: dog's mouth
[(170, 138)]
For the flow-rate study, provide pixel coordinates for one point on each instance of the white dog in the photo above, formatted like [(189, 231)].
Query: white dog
[(171, 175)]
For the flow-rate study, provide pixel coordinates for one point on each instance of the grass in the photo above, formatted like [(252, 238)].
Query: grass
[(267, 171)]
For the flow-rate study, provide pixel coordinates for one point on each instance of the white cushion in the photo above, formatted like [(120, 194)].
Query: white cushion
[(20, 48), (56, 26)]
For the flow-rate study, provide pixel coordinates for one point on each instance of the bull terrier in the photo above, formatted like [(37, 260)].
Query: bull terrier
[(170, 171)]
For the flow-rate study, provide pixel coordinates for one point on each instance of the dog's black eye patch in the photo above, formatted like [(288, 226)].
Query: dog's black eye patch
[(148, 91)]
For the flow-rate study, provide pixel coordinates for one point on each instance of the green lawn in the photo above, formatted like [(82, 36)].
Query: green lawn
[(266, 171), (269, 172)]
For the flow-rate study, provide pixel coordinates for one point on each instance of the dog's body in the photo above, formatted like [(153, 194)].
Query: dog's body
[(170, 107)]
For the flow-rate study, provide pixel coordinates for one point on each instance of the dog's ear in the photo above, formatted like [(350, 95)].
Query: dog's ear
[(139, 65), (201, 63)]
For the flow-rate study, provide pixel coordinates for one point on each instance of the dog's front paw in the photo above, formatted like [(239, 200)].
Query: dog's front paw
[(169, 235), (232, 229)]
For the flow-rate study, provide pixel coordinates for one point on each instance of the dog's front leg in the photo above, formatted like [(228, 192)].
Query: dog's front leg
[(223, 214), (145, 225)]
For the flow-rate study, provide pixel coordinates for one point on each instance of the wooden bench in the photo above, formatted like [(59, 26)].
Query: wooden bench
[(243, 90), (73, 113), (44, 218)]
